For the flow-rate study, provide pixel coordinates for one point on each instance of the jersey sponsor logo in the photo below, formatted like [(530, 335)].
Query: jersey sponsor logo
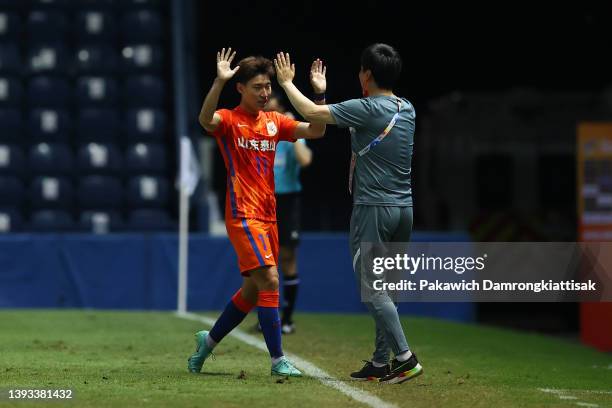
[(257, 145), (268, 256), (271, 127)]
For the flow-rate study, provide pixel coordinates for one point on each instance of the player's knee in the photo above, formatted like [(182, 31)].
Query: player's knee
[(271, 282), (266, 278), (249, 293)]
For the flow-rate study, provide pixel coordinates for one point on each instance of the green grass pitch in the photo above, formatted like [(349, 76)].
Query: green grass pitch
[(125, 359)]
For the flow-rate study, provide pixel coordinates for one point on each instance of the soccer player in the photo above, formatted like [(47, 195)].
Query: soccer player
[(290, 158), (248, 138), (382, 137)]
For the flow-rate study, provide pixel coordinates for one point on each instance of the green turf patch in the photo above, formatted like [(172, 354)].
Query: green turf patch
[(140, 359)]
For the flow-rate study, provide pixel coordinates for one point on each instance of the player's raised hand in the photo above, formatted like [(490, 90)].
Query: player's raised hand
[(224, 61), (317, 76), (285, 70)]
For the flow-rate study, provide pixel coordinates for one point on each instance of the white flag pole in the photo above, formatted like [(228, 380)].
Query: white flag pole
[(183, 249)]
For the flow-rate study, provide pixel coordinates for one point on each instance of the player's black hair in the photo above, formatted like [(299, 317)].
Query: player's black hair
[(384, 62), (250, 67)]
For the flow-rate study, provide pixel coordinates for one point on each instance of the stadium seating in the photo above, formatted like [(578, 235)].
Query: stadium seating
[(145, 125), (145, 158), (84, 116), (141, 25), (147, 192), (99, 193), (138, 4), (100, 222), (96, 92), (51, 221), (50, 4), (10, 59), (12, 160), (11, 124), (49, 92), (49, 125), (47, 58), (10, 26), (99, 158), (51, 193), (47, 25), (96, 60), (10, 220), (11, 92), (149, 220), (95, 26), (51, 159), (97, 125), (11, 192), (144, 90), (141, 58)]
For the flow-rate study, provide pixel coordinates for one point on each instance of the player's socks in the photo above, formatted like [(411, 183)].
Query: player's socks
[(234, 313), (290, 289), (267, 311), (404, 356), (210, 343)]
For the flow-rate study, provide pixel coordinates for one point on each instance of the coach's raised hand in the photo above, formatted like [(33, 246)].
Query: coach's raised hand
[(285, 70), (317, 76), (224, 61)]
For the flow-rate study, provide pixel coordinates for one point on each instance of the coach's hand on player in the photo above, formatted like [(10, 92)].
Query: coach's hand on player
[(224, 61), (317, 76), (285, 70)]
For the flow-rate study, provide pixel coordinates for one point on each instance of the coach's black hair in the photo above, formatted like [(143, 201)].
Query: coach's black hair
[(250, 67), (384, 62)]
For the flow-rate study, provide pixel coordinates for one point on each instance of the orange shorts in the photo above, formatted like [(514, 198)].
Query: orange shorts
[(255, 242)]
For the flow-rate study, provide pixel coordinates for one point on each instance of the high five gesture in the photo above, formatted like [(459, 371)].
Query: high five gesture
[(224, 61)]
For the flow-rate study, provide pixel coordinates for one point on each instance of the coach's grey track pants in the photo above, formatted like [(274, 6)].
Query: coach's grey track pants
[(380, 224)]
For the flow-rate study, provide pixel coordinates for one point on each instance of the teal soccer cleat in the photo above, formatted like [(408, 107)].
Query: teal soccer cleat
[(195, 362), (285, 369)]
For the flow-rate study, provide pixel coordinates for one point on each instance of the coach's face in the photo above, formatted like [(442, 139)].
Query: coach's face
[(256, 92)]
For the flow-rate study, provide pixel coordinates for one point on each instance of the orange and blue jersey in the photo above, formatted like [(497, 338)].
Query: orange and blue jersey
[(248, 145)]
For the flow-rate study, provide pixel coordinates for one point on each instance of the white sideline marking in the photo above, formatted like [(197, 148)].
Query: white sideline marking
[(304, 365), (602, 367), (561, 391), (562, 394)]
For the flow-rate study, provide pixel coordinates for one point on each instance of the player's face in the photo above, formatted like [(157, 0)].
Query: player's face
[(256, 92)]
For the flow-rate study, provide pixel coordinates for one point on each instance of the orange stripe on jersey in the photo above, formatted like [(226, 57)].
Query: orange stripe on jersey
[(248, 146)]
